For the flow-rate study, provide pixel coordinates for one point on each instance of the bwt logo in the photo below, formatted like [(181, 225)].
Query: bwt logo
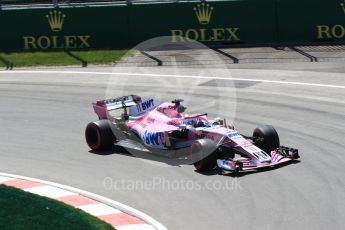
[(153, 138), (145, 105), (234, 134)]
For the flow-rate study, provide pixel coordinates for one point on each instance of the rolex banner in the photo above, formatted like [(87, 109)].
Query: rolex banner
[(123, 26), (120, 26), (311, 20), (64, 28), (210, 22)]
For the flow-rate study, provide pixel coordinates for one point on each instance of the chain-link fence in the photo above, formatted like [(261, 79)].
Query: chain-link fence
[(56, 2)]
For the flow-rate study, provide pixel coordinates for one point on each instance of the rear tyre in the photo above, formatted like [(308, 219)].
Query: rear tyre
[(266, 138), (204, 155), (99, 135)]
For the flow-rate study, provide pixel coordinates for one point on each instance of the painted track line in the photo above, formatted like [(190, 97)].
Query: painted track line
[(173, 76), (108, 210)]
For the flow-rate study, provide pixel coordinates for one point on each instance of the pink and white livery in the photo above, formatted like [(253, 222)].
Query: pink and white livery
[(162, 128)]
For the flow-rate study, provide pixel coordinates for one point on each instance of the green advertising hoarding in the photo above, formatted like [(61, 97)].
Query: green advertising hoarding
[(211, 22), (121, 26), (311, 20), (74, 28)]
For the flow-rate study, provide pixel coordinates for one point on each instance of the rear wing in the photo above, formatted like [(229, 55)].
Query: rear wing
[(143, 107), (104, 106)]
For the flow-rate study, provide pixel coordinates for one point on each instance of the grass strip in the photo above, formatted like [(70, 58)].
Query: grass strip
[(60, 58), (21, 210)]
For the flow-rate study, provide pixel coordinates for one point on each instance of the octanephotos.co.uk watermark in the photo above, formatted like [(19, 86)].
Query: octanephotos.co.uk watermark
[(163, 184)]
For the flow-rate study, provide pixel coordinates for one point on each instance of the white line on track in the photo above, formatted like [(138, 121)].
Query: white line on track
[(173, 76)]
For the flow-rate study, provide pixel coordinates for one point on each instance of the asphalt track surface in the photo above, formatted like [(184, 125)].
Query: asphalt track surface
[(43, 116)]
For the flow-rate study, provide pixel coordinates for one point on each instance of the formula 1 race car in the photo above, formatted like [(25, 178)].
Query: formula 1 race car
[(162, 128)]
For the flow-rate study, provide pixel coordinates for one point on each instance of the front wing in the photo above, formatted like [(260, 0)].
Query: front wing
[(279, 156)]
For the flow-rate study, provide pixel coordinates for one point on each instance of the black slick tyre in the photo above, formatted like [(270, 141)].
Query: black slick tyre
[(266, 138), (204, 155), (99, 135)]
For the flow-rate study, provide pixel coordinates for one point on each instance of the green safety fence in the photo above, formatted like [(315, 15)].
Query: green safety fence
[(120, 26), (310, 20), (213, 22), (75, 28)]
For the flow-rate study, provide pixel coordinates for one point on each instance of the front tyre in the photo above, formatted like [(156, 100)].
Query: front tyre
[(266, 138), (99, 135), (204, 155)]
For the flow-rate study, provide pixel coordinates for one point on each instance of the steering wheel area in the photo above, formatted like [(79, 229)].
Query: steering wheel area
[(197, 122)]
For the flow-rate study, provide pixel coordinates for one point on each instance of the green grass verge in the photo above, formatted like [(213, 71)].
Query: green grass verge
[(21, 210), (60, 58)]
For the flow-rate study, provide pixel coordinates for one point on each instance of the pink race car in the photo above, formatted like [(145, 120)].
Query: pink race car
[(162, 128)]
